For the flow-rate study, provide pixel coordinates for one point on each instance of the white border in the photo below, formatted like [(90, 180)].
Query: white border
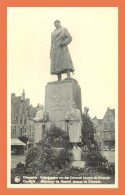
[(48, 186)]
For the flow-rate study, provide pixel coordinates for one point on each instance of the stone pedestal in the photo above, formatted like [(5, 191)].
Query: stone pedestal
[(76, 158), (79, 164), (57, 102), (38, 133), (76, 154)]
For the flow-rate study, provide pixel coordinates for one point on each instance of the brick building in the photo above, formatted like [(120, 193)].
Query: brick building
[(105, 130), (22, 114)]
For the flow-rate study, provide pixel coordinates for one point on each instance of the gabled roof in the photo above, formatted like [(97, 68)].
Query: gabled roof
[(100, 121), (15, 103), (113, 112)]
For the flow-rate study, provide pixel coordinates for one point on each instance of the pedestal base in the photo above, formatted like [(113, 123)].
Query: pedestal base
[(76, 158), (58, 149), (78, 163), (76, 154)]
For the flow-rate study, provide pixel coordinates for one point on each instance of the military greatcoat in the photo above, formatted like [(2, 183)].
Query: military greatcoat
[(59, 54), (74, 125)]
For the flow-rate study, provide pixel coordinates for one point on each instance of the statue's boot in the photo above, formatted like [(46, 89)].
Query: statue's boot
[(68, 74), (59, 77)]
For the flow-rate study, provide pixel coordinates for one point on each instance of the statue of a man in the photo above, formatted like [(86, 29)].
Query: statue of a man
[(60, 57), (73, 116), (40, 122)]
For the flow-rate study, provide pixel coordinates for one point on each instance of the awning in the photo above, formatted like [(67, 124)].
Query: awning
[(17, 142)]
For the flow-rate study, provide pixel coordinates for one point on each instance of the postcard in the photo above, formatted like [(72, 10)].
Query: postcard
[(62, 96)]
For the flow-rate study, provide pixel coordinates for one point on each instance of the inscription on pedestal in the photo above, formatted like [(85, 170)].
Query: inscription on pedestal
[(57, 99)]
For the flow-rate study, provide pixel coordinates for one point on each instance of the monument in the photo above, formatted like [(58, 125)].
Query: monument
[(40, 122), (63, 98), (58, 93)]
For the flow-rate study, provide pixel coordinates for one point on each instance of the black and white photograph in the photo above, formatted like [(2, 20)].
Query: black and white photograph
[(62, 97)]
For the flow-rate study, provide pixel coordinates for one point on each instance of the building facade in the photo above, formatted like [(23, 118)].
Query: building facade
[(105, 130), (22, 113)]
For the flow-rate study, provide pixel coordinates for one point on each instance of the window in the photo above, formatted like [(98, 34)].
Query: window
[(24, 131), (25, 121), (30, 132), (113, 135), (108, 117), (106, 135), (14, 131), (112, 126), (12, 118), (21, 131), (15, 117), (105, 126), (21, 121)]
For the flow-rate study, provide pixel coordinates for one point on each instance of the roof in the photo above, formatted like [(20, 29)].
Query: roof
[(15, 103), (17, 108), (113, 112), (100, 121), (17, 142)]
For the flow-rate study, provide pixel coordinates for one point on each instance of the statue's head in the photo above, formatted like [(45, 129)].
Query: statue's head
[(74, 105), (57, 23)]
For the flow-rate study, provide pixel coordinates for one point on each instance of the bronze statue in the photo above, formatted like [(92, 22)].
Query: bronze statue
[(60, 57)]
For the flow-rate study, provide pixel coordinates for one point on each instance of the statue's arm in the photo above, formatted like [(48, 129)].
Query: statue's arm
[(80, 118), (68, 37)]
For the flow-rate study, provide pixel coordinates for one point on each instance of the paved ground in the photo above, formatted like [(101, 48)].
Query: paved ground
[(15, 159)]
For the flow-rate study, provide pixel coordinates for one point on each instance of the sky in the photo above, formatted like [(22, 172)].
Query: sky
[(94, 52)]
